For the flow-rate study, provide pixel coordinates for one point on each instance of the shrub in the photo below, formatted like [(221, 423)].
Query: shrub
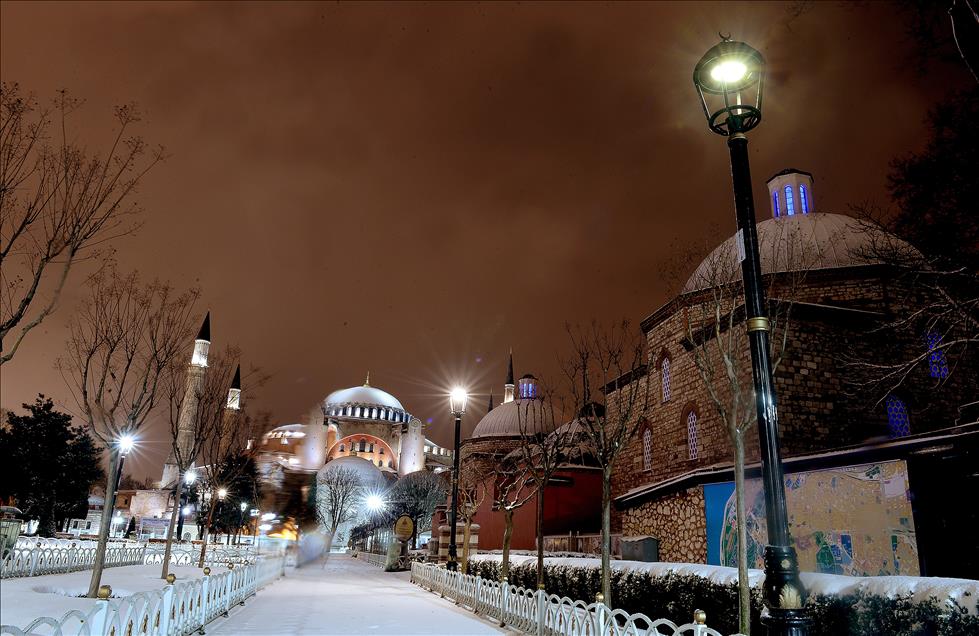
[(676, 596)]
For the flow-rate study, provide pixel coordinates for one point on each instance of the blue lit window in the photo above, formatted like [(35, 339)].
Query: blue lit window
[(789, 206), (804, 199), (775, 202), (898, 422), (937, 363)]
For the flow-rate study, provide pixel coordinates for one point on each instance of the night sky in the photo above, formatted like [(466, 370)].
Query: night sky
[(411, 189)]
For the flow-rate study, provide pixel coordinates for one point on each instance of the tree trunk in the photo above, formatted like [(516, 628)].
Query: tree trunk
[(177, 493), (466, 533), (607, 536), (507, 534), (207, 529), (744, 588), (540, 538), (108, 505)]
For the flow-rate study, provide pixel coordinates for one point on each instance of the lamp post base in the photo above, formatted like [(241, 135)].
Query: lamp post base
[(784, 593)]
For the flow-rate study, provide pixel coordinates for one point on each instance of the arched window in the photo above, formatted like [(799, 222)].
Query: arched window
[(370, 447), (692, 434), (363, 445), (898, 422), (804, 199), (789, 206), (647, 449), (341, 448), (382, 450), (775, 202), (937, 362), (665, 378)]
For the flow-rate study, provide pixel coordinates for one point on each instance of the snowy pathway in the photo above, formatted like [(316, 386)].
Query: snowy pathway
[(349, 597)]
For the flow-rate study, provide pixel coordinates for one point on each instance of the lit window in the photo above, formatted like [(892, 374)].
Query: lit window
[(665, 378), (647, 449), (789, 206), (937, 363), (804, 199), (692, 434), (381, 451), (775, 202), (341, 448), (898, 422)]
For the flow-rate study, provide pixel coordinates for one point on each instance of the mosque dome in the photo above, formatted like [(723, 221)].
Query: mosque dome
[(505, 420), (365, 402), (370, 475), (802, 242), (285, 438)]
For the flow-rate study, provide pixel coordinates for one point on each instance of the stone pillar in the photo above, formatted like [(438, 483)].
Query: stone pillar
[(412, 457)]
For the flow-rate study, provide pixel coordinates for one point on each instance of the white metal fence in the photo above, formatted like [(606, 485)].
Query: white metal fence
[(177, 609), (540, 613), (41, 559), (48, 556), (374, 559)]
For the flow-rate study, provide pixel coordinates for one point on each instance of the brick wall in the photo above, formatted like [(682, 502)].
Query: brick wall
[(677, 520)]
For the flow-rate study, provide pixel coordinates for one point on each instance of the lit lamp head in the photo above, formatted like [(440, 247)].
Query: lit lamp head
[(185, 511), (126, 443), (243, 505), (190, 477), (457, 401), (222, 493), (730, 79)]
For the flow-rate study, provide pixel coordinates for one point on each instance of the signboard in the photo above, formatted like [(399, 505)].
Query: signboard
[(403, 527), (155, 528)]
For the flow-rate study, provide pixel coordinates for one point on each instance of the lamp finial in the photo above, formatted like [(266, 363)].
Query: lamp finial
[(367, 382)]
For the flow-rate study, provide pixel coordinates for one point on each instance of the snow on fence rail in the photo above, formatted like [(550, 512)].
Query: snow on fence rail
[(177, 609), (38, 559), (542, 613), (55, 558)]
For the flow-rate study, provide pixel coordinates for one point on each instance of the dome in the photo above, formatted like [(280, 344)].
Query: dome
[(799, 243), (365, 402), (505, 420), (369, 474)]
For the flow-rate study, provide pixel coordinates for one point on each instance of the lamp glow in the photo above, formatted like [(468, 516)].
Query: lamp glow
[(222, 493), (729, 71), (186, 511), (243, 505), (190, 477), (126, 443), (374, 502), (268, 516), (457, 400)]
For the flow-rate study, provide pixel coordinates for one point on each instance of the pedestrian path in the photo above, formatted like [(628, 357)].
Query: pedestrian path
[(349, 596)]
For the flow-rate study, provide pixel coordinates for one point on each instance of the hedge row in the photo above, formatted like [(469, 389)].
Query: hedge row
[(675, 596)]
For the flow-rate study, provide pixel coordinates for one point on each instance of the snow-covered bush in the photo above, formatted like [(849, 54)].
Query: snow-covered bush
[(665, 592)]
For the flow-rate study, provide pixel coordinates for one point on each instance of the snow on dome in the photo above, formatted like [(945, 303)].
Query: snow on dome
[(366, 395), (370, 475), (505, 419), (797, 243)]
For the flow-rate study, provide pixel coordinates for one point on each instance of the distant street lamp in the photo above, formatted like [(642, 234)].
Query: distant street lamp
[(457, 405), (728, 75), (189, 478), (125, 443)]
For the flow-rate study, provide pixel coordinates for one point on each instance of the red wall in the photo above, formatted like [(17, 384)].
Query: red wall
[(571, 507)]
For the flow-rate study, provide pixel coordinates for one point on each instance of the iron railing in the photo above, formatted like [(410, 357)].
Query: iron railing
[(178, 609)]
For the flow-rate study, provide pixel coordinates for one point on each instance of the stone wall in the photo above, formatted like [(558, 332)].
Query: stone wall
[(677, 520)]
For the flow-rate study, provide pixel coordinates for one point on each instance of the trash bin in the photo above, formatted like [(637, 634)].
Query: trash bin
[(640, 549)]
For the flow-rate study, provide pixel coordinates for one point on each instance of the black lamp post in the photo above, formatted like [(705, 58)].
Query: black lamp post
[(728, 76), (126, 443), (179, 500), (457, 404)]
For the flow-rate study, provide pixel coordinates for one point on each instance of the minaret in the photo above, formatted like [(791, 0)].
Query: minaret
[(509, 386), (490, 407), (234, 393), (188, 410)]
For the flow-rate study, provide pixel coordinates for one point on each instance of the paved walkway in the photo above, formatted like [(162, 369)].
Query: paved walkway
[(349, 597)]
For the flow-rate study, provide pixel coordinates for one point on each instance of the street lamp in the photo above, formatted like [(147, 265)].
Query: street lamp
[(374, 503), (457, 405), (730, 80), (189, 478), (125, 443)]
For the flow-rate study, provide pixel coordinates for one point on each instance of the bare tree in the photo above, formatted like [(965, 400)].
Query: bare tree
[(512, 488), (608, 381), (197, 400), (124, 340), (338, 491), (717, 338), (59, 203), (472, 493), (417, 495), (542, 450)]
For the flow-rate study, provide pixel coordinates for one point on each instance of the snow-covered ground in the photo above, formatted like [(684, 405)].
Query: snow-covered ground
[(24, 599), (349, 596), (963, 591)]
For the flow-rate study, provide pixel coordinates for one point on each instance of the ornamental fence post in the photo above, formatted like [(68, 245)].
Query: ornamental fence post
[(205, 593), (71, 557), (99, 619), (700, 622), (34, 558), (477, 594), (541, 600), (600, 614), (504, 600), (166, 606)]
